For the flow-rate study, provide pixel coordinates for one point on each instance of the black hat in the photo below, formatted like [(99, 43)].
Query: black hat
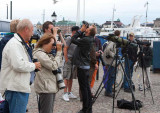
[(75, 28)]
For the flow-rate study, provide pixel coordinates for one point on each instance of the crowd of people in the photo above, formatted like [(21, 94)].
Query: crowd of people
[(22, 65)]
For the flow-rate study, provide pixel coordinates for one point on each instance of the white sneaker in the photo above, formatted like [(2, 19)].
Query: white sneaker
[(70, 95), (65, 97), (140, 88)]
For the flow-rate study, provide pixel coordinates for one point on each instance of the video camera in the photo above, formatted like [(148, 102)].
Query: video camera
[(120, 41), (147, 43)]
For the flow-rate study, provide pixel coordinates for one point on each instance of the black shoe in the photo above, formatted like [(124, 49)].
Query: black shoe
[(127, 90), (108, 94)]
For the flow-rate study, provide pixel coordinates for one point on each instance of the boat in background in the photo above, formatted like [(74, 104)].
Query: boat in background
[(135, 27)]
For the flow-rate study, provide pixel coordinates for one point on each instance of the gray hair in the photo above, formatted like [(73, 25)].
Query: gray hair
[(23, 24), (13, 25)]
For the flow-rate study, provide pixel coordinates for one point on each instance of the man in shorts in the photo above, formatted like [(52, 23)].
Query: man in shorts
[(68, 67)]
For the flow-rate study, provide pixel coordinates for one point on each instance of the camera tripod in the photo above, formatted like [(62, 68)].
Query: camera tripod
[(143, 66), (117, 61)]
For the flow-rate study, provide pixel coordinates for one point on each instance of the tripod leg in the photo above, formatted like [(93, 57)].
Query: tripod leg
[(130, 84), (149, 84)]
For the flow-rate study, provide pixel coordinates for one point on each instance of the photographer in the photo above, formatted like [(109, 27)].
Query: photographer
[(48, 28), (45, 81), (132, 58), (81, 59), (145, 59), (108, 56)]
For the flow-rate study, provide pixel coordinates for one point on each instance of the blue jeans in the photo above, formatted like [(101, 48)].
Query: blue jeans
[(17, 101), (111, 79), (131, 64)]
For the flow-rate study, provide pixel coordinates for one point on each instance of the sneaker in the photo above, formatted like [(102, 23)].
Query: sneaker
[(140, 88), (65, 97), (70, 95)]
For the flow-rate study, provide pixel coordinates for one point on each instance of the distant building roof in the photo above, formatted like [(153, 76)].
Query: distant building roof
[(39, 23), (118, 23)]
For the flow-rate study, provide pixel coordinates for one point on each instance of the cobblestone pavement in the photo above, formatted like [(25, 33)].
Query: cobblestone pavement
[(104, 104)]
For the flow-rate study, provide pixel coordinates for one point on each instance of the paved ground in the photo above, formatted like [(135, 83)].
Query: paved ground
[(104, 104)]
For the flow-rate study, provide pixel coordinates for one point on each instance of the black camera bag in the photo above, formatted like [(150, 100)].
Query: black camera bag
[(124, 104)]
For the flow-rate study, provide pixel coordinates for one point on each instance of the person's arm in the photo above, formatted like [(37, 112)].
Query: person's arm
[(76, 40), (62, 39), (110, 50), (149, 55), (14, 53), (65, 53), (51, 63)]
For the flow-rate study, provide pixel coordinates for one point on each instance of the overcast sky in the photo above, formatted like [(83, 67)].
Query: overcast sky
[(97, 11)]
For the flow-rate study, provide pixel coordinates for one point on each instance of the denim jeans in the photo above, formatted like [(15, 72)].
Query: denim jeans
[(111, 79), (17, 101), (129, 76)]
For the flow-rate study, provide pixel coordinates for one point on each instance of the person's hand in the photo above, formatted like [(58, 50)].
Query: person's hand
[(97, 53), (96, 66), (66, 60), (59, 46), (38, 65), (55, 29), (83, 28)]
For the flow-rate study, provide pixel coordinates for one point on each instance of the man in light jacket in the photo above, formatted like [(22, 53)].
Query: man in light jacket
[(17, 68)]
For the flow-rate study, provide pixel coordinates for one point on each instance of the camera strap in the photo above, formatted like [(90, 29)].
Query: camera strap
[(29, 50)]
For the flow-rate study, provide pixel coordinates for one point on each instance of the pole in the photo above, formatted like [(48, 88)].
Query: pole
[(112, 17), (146, 13), (43, 15), (7, 11), (10, 10), (78, 13), (84, 10)]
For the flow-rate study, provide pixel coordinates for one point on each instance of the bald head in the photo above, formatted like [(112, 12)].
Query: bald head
[(23, 24), (25, 29)]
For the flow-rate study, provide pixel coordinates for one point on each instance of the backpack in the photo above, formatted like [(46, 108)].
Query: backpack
[(124, 104)]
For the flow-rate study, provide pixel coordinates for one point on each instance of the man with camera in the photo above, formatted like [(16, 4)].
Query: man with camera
[(129, 63), (17, 68), (48, 28), (108, 56), (145, 58), (68, 67), (81, 59)]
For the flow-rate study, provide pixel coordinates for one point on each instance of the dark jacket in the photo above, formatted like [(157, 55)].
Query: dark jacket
[(81, 56), (147, 58), (132, 51), (3, 42)]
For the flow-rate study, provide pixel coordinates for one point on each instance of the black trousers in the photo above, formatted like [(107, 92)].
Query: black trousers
[(83, 76)]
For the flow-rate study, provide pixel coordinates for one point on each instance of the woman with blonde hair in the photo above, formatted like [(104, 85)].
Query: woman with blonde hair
[(45, 81)]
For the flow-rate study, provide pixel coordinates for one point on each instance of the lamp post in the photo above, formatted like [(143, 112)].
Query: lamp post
[(54, 18)]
